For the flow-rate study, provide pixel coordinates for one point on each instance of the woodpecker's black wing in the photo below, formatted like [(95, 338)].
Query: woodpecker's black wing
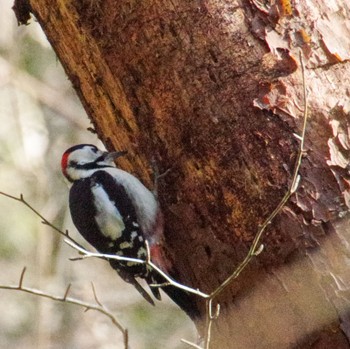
[(83, 212), (104, 215)]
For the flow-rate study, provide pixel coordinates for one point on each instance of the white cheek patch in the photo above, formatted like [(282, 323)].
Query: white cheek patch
[(107, 217), (84, 155)]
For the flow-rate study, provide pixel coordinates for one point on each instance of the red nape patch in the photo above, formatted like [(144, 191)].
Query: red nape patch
[(64, 163)]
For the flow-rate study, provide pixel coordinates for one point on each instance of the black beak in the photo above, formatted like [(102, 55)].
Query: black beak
[(114, 155)]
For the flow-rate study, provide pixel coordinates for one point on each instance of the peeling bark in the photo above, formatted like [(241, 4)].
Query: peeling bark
[(212, 90)]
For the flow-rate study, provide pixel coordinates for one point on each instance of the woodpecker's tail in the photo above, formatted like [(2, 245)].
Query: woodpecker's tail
[(131, 280), (142, 291), (185, 300)]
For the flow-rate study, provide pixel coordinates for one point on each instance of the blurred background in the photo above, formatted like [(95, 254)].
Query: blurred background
[(40, 117)]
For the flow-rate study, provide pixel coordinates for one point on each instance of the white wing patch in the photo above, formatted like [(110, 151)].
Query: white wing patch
[(108, 217)]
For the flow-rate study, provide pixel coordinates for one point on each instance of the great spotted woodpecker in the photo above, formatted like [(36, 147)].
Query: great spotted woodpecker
[(116, 214)]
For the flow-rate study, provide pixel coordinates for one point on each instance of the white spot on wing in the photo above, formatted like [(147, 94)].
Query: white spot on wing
[(125, 244), (133, 235), (141, 253)]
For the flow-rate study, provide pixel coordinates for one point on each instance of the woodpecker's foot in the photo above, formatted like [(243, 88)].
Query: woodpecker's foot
[(157, 176)]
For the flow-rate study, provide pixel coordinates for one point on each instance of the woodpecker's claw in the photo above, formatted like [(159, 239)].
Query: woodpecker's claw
[(157, 176)]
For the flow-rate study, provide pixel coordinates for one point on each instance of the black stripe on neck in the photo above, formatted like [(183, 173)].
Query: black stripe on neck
[(91, 166)]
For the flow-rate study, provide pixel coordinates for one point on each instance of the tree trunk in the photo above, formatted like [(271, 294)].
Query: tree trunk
[(213, 90)]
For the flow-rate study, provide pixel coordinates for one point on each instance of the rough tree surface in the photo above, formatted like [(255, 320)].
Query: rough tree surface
[(212, 89)]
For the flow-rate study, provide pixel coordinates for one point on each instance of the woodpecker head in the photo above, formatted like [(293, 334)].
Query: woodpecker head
[(83, 160)]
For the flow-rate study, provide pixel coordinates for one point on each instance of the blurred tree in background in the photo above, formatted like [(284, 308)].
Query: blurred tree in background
[(41, 117)]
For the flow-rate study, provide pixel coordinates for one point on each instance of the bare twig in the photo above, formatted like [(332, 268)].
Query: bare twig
[(67, 291), (22, 277), (193, 345), (95, 295), (65, 299), (210, 319), (37, 213), (169, 281), (148, 252), (256, 248), (87, 254)]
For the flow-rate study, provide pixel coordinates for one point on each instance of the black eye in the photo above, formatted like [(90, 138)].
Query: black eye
[(94, 149)]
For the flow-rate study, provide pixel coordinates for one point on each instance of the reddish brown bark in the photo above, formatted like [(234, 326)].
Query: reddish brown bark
[(212, 90)]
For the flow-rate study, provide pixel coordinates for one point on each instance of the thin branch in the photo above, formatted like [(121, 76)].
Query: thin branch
[(210, 319), (37, 213), (95, 294), (65, 299), (148, 252), (67, 291), (22, 277), (169, 280), (256, 248), (193, 345), (177, 284), (87, 254)]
